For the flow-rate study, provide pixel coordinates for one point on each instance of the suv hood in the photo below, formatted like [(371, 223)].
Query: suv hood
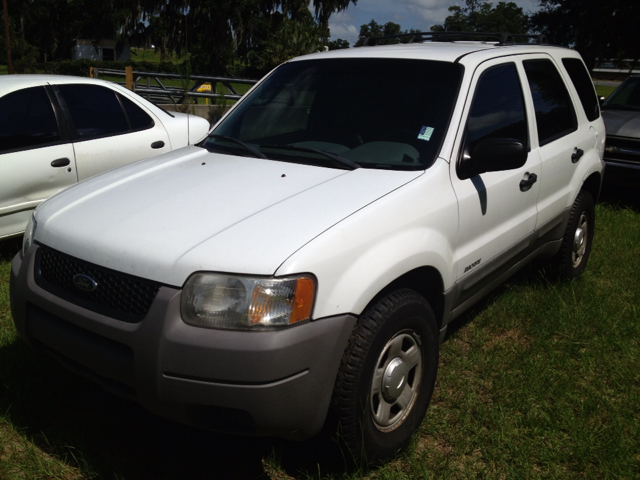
[(622, 123), (191, 210)]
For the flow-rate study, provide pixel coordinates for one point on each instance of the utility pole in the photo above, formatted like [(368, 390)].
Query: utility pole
[(6, 34)]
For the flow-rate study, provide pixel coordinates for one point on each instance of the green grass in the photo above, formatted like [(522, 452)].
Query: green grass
[(150, 55), (604, 91), (540, 380)]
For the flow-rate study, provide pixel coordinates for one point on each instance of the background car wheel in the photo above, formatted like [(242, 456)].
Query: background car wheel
[(386, 377), (576, 244)]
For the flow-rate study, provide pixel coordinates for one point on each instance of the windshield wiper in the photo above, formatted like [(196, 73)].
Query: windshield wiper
[(336, 158), (247, 147)]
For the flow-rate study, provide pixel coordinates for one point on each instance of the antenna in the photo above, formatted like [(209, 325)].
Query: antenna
[(186, 97)]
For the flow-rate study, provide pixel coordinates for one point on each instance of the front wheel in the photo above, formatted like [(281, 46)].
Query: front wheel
[(387, 376)]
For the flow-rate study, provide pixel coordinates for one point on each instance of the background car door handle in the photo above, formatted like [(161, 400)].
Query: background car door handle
[(528, 180), (158, 144), (60, 162), (576, 155)]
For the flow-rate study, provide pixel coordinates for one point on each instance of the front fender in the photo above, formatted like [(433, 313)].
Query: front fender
[(413, 226)]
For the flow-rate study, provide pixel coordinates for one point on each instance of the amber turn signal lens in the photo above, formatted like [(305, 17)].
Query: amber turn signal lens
[(302, 300)]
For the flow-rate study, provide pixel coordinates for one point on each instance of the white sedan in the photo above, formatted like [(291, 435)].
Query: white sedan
[(58, 130)]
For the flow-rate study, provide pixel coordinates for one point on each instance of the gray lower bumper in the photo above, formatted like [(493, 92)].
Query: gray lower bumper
[(256, 383)]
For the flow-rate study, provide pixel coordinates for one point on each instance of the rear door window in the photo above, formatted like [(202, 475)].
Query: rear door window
[(96, 111), (27, 120), (555, 116)]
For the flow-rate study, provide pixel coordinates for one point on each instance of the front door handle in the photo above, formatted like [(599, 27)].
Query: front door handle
[(158, 144), (60, 162), (527, 181), (576, 155)]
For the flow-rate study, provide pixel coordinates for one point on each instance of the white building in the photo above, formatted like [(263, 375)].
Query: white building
[(105, 51)]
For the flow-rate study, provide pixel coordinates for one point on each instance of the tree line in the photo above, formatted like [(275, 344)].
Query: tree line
[(221, 35), (217, 33)]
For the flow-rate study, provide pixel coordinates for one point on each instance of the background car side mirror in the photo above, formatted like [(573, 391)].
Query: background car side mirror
[(493, 155)]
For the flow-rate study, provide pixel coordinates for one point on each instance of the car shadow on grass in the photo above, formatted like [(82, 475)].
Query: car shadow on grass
[(539, 270), (105, 436), (622, 196), (9, 248)]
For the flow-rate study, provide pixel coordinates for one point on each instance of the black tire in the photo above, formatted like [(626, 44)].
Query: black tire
[(576, 243), (377, 410)]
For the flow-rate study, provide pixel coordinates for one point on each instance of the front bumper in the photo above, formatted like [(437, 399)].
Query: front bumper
[(254, 383)]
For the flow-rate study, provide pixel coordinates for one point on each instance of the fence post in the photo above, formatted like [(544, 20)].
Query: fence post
[(91, 75), (128, 71)]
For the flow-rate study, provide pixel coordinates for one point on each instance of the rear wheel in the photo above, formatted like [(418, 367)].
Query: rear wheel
[(387, 375), (576, 244)]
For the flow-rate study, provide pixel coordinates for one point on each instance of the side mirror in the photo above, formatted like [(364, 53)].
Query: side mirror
[(493, 155), (601, 100)]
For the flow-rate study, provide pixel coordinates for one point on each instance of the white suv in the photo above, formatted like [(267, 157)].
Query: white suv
[(310, 253)]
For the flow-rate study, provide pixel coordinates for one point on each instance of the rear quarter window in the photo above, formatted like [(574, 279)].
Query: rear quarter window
[(584, 86)]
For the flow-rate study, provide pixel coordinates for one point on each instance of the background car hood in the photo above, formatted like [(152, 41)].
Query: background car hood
[(191, 210), (622, 123)]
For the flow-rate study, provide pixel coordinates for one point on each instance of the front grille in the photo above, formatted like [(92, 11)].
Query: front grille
[(622, 149), (118, 295)]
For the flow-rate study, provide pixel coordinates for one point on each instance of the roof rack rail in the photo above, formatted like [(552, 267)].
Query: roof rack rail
[(503, 38)]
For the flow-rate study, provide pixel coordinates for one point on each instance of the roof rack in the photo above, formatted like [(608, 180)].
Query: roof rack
[(503, 38)]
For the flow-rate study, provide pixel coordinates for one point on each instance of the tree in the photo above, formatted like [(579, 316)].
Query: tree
[(22, 53), (338, 44), (598, 30), (373, 29), (478, 16), (291, 39)]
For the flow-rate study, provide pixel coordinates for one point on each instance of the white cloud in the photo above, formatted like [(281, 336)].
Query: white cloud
[(345, 31)]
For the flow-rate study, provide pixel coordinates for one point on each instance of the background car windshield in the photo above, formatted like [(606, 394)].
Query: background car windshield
[(379, 113), (627, 94)]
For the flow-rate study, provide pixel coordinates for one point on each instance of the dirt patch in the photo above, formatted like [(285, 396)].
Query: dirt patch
[(506, 339)]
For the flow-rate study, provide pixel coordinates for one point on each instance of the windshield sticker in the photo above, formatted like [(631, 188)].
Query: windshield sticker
[(425, 133)]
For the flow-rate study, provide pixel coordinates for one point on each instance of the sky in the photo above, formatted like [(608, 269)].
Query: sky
[(419, 14)]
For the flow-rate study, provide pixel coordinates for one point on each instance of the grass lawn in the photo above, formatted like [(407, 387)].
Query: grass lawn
[(149, 55), (604, 91), (541, 380)]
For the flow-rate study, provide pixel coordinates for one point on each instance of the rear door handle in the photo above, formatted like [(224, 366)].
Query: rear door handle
[(528, 180), (60, 162), (158, 144), (576, 155)]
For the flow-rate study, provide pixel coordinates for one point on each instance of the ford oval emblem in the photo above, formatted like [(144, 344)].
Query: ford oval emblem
[(84, 282)]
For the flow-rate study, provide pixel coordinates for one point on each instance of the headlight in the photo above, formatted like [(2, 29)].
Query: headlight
[(214, 300), (29, 232)]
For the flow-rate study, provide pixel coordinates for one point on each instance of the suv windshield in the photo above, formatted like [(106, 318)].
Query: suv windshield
[(375, 113)]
